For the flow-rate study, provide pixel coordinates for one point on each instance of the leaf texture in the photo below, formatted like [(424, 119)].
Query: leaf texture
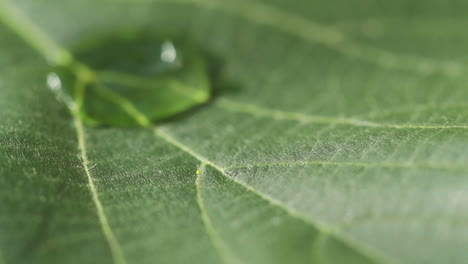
[(344, 140)]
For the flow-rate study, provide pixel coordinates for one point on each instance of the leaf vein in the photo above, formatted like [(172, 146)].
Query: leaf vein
[(111, 239), (254, 110), (209, 227), (445, 167)]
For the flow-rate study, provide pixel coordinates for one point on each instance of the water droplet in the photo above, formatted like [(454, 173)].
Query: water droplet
[(168, 52), (132, 79), (55, 84)]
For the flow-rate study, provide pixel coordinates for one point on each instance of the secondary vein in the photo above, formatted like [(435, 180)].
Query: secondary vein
[(241, 107), (258, 111), (444, 167), (209, 227), (114, 245)]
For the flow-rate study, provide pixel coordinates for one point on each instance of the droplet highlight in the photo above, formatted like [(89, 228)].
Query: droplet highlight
[(55, 85)]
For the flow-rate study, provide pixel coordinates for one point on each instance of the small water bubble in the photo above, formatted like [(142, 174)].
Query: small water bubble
[(54, 82), (168, 52), (55, 85)]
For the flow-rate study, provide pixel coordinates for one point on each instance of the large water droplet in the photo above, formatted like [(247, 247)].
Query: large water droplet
[(128, 79)]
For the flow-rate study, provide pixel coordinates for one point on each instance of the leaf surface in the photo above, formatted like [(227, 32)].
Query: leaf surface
[(344, 140)]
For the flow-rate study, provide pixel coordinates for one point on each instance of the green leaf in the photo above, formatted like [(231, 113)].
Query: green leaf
[(344, 140)]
